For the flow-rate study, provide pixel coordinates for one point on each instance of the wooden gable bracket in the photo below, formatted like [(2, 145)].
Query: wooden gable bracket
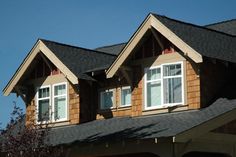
[(20, 93), (46, 61), (157, 38), (126, 71)]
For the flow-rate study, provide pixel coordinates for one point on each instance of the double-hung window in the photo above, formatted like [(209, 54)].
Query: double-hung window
[(153, 88), (164, 85), (107, 99), (60, 101), (125, 96), (43, 103), (52, 103), (172, 84)]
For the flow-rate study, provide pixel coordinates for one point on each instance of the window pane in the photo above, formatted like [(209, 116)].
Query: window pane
[(126, 96), (153, 94), (172, 70), (107, 100), (60, 89), (60, 107), (172, 90), (43, 108), (153, 74), (43, 93)]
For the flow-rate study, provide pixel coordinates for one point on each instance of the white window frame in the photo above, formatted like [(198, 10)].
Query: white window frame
[(100, 98), (126, 105), (162, 88), (53, 104), (37, 103)]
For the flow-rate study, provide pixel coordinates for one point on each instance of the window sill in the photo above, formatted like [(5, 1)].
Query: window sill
[(166, 106), (120, 108), (175, 108), (56, 123)]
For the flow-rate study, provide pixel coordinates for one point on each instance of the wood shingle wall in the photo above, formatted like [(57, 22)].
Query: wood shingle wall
[(74, 104), (193, 85)]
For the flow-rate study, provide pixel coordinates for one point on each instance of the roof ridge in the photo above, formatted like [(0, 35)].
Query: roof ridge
[(195, 25), (77, 47), (216, 23), (110, 45)]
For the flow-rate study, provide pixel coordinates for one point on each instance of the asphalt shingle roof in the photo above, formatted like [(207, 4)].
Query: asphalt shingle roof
[(112, 49), (228, 27), (207, 42), (145, 127), (80, 60)]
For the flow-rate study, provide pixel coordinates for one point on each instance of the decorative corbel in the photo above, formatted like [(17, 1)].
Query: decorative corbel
[(19, 93), (126, 71), (157, 38)]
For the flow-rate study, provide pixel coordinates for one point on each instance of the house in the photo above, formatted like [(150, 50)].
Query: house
[(168, 92)]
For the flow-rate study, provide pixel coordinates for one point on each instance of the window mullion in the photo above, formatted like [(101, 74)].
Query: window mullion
[(162, 86), (43, 98), (182, 82), (175, 76), (52, 104), (145, 89)]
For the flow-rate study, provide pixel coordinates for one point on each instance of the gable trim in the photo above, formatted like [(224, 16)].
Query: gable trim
[(152, 22), (58, 63), (172, 37), (37, 48)]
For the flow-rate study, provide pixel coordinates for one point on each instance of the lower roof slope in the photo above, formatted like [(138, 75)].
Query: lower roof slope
[(80, 60), (145, 127)]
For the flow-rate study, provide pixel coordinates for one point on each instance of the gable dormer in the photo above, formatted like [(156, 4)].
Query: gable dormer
[(45, 89)]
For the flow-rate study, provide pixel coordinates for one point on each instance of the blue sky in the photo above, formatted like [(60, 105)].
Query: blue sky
[(86, 23)]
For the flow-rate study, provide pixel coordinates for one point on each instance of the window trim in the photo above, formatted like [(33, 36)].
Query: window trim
[(113, 98), (126, 105), (162, 87), (51, 103)]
